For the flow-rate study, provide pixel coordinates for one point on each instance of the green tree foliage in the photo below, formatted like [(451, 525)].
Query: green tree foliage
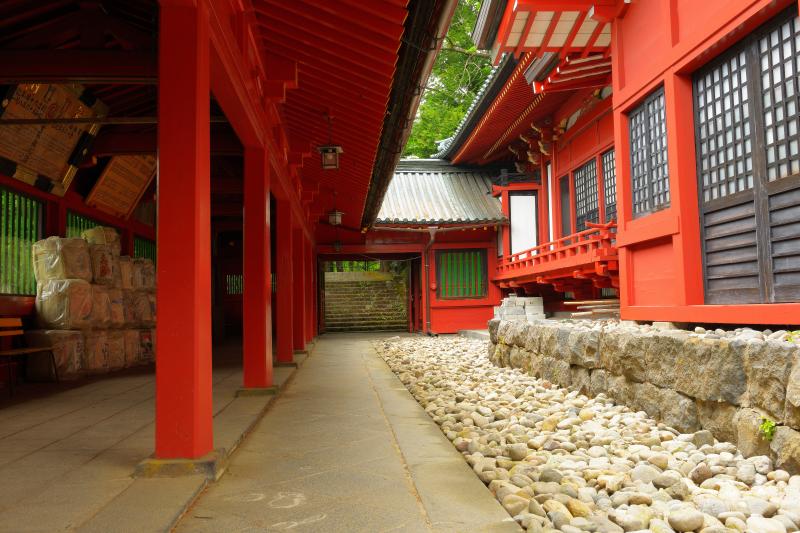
[(456, 77)]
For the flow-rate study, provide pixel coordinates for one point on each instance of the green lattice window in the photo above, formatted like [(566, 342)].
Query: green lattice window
[(77, 224), (461, 273), (234, 284), (144, 248), (20, 226)]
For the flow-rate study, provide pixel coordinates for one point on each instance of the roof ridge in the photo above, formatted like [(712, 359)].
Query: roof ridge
[(444, 146)]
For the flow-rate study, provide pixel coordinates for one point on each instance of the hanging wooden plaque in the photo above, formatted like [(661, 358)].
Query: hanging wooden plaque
[(46, 155), (122, 184)]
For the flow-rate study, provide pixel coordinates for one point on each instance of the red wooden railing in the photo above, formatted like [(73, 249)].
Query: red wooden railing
[(596, 241)]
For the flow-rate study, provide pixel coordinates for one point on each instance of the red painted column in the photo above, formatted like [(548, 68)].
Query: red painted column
[(183, 338), (309, 271), (299, 307), (284, 275), (257, 296), (315, 292)]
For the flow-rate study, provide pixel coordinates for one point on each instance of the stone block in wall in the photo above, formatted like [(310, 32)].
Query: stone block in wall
[(791, 414), (501, 354), (556, 371), (548, 338), (492, 326), (515, 333), (520, 358), (617, 387), (598, 382), (677, 411), (718, 418), (785, 446), (663, 350), (583, 346), (767, 366), (645, 397), (532, 339), (748, 439), (710, 369), (502, 331), (623, 353), (580, 379)]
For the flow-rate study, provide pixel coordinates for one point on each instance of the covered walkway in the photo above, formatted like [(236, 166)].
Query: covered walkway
[(73, 453), (346, 448)]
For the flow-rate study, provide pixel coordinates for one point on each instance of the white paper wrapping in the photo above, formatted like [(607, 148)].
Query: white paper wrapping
[(105, 236), (57, 258), (64, 304)]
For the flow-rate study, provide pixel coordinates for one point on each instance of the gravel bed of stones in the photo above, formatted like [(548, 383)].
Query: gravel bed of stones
[(557, 460)]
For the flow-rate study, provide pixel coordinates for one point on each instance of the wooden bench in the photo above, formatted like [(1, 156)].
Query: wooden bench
[(12, 327)]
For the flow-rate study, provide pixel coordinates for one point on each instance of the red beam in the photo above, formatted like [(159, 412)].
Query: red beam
[(327, 66), (114, 142), (372, 15), (80, 66), (348, 68), (342, 22), (329, 38)]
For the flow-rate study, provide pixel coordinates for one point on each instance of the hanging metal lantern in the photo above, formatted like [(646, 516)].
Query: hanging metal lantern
[(335, 217), (330, 152), (330, 156)]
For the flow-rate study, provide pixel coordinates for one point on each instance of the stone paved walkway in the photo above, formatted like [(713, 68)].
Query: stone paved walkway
[(67, 458), (346, 448)]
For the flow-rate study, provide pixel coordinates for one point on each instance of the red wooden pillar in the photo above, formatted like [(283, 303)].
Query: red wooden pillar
[(284, 274), (183, 364), (309, 276), (298, 275), (257, 296), (315, 292), (687, 244)]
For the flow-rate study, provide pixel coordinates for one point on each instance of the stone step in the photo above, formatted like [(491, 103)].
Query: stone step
[(377, 322), (366, 322), (361, 327)]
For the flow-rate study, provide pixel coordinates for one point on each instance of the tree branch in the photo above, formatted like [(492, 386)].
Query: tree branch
[(464, 51), (452, 47)]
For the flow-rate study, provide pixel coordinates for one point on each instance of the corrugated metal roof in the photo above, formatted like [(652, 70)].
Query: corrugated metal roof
[(431, 191)]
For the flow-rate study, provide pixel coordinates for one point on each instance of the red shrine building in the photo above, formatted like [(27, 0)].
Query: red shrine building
[(640, 149), (654, 150)]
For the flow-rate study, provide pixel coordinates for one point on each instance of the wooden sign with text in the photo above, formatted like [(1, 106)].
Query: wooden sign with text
[(122, 184), (46, 155)]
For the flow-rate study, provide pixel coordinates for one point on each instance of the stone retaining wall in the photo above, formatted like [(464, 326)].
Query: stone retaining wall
[(365, 301), (689, 383)]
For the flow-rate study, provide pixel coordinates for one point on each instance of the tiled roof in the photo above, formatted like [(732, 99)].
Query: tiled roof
[(431, 191)]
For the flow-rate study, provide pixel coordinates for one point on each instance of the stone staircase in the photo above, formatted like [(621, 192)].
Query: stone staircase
[(367, 305)]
